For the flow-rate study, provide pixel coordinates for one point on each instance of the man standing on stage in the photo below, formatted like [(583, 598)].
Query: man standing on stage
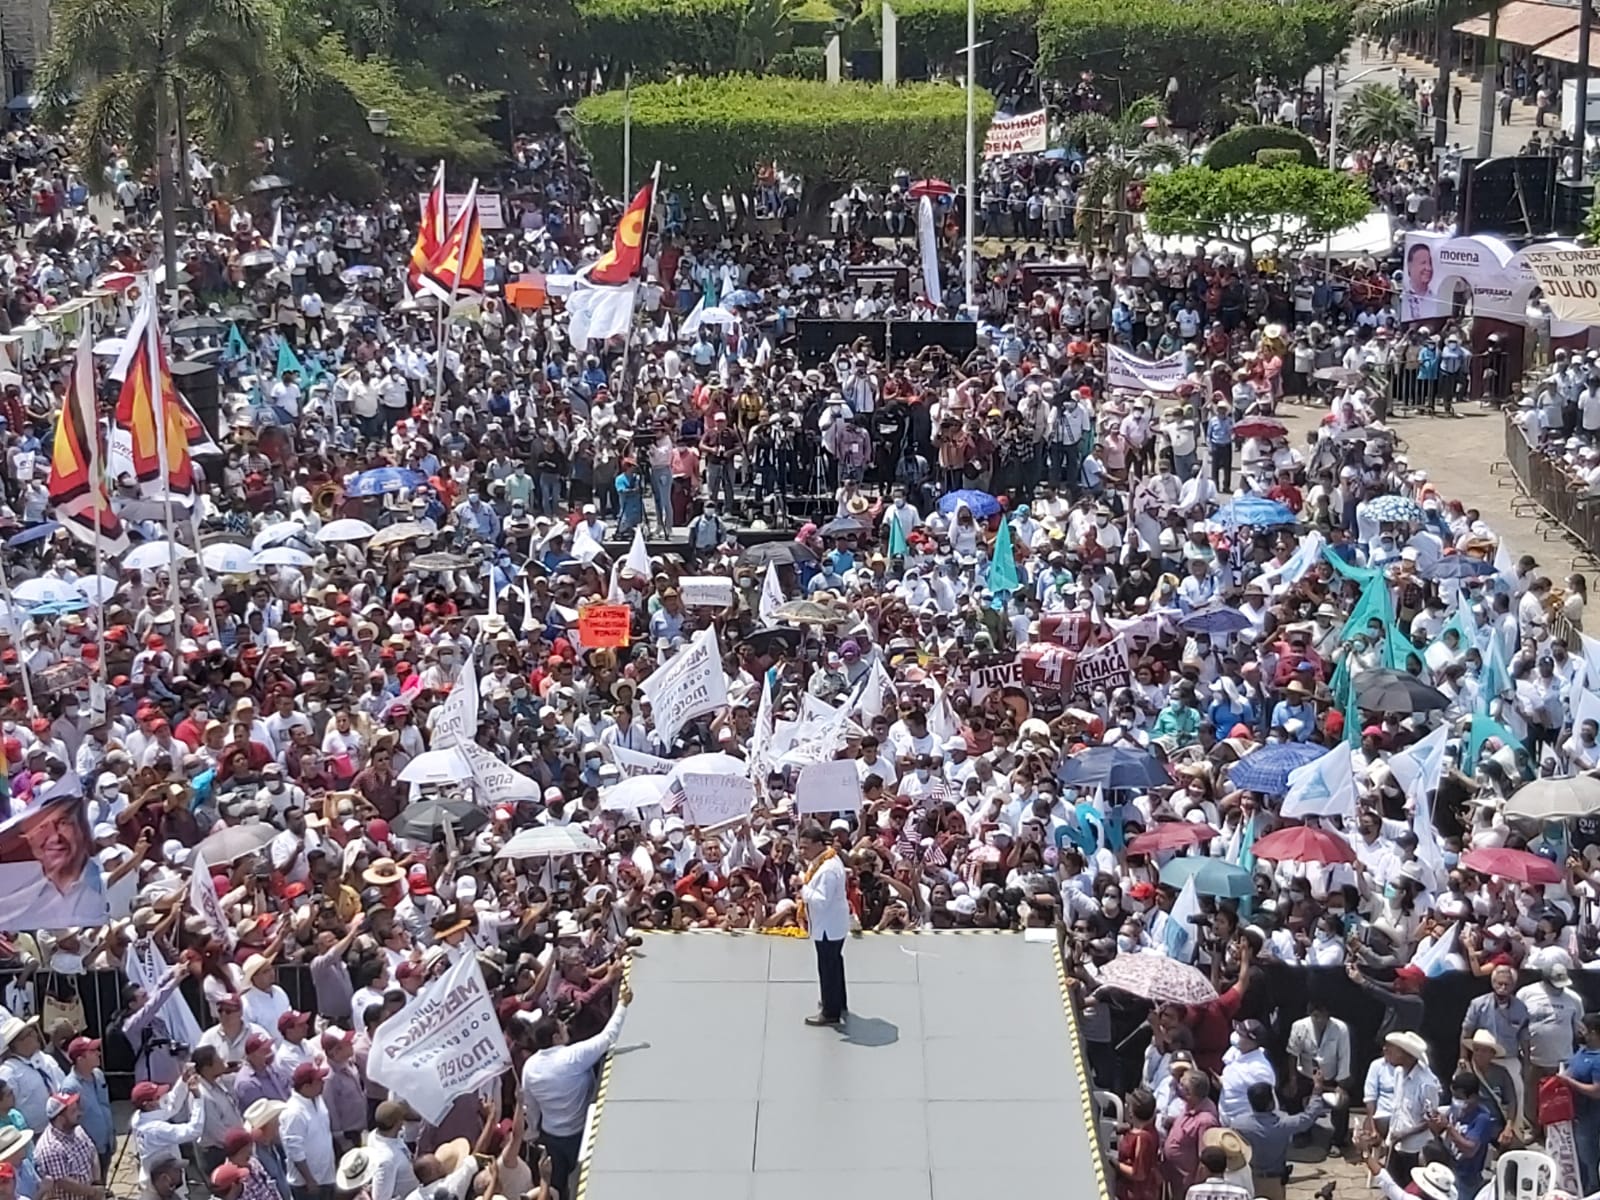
[(825, 913)]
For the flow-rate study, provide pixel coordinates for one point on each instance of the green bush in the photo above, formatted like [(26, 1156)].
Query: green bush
[(1241, 146), (1278, 156), (1215, 50), (715, 133), (803, 62), (654, 35), (937, 29)]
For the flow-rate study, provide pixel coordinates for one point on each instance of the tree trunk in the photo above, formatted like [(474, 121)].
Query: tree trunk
[(1441, 87), (165, 187), (180, 96), (1490, 69)]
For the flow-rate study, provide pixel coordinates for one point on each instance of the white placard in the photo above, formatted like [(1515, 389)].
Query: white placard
[(1570, 280), (445, 1043), (498, 783), (491, 214), (712, 799), (828, 787), (455, 722), (1129, 371), (690, 684), (631, 762), (1025, 134), (706, 591)]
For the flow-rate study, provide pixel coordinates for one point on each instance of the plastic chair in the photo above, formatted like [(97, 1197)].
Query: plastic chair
[(1524, 1175), (1108, 1108)]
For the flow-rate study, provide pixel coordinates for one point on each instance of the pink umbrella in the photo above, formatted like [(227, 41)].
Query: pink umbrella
[(1517, 865), (1301, 843), (935, 188), (1171, 835)]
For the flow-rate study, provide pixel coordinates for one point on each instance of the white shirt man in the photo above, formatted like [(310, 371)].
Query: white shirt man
[(558, 1079), (305, 1133), (1247, 1064), (1327, 1051)]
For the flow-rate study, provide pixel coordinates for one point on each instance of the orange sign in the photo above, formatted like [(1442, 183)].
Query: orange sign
[(604, 625)]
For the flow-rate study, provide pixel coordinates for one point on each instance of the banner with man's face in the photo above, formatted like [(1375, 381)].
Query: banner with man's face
[(49, 876)]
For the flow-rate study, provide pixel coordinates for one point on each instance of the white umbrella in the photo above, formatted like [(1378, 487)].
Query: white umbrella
[(45, 589), (549, 841), (227, 558), (634, 793), (280, 532), (716, 315), (111, 347), (152, 556), (346, 529), (438, 766), (282, 556), (96, 589)]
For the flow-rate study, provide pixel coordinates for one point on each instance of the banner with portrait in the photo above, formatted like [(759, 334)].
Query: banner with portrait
[(49, 876), (1497, 280)]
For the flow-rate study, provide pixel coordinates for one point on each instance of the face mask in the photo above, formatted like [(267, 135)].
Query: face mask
[(1111, 905), (899, 501), (592, 764), (1124, 943), (1233, 1039), (922, 774), (675, 837)]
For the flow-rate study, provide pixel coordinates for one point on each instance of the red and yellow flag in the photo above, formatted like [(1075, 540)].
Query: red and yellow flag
[(148, 395), (430, 231), (77, 482), (458, 266), (625, 260)]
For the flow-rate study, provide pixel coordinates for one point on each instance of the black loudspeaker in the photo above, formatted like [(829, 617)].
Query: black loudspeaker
[(1514, 195), (200, 386), (1573, 200)]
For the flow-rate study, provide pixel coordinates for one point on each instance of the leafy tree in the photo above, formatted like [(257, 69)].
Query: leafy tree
[(766, 31), (712, 134), (1296, 206), (1244, 144), (1198, 56), (1122, 152), (654, 37), (1439, 17), (158, 68), (1377, 113), (933, 32)]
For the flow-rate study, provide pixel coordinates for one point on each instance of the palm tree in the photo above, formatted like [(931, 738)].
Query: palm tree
[(765, 31), (1377, 113), (1121, 151), (146, 68), (1441, 16)]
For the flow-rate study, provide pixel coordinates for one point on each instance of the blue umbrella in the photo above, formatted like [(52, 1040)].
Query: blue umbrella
[(1255, 510), (743, 298), (1458, 566), (383, 480), (982, 504), (33, 533), (1391, 509), (1214, 618), (1212, 877), (1267, 770), (1113, 767), (54, 608)]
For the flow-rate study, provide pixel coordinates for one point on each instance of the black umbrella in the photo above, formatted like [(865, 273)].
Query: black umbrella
[(1114, 767), (784, 553), (424, 820), (1385, 690), (844, 527), (767, 641)]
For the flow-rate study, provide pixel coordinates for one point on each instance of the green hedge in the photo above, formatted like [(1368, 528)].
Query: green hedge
[(1215, 49), (653, 35), (937, 29), (1241, 146), (714, 133), (803, 62), (1278, 156)]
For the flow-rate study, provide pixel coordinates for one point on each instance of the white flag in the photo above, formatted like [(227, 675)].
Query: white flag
[(875, 692), (1324, 787), (691, 324), (690, 684), (771, 593), (942, 721), (445, 1043), (204, 900), (600, 313), (631, 763), (455, 721), (498, 782), (1435, 960), (928, 247), (144, 965), (638, 561), (761, 736), (1418, 770), (1179, 930), (584, 548), (1505, 567)]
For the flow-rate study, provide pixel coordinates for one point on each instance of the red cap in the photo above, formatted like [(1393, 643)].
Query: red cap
[(236, 1140), (147, 1092), (78, 1047), (155, 642), (291, 1018), (1142, 890), (407, 970), (229, 1175), (332, 1037), (257, 1041), (417, 880), (307, 1073)]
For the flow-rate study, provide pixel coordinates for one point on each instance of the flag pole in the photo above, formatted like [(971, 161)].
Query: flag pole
[(158, 407), (455, 287), (97, 484), (649, 224)]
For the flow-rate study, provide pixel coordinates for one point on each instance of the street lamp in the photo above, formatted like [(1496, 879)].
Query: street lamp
[(378, 121), (567, 124), (1333, 145)]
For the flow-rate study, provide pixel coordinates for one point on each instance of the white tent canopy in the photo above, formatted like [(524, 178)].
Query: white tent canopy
[(1373, 235)]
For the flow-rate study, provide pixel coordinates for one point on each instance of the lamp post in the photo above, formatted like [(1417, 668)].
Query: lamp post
[(567, 124), (378, 123), (969, 262), (1333, 145)]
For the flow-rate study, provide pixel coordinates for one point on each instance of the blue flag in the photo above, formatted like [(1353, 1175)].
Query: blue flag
[(1003, 562), (287, 361), (236, 349)]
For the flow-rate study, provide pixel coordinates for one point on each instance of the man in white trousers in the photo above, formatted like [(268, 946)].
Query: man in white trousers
[(825, 912)]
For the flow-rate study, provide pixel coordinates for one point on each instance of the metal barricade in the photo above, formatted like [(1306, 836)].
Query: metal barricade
[(1548, 489)]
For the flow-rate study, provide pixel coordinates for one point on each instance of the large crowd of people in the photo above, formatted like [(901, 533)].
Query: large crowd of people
[(1219, 704)]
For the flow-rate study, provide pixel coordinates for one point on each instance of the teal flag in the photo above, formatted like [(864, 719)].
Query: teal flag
[(897, 540), (1495, 678), (1003, 562), (1362, 575), (1483, 728), (287, 361), (236, 350)]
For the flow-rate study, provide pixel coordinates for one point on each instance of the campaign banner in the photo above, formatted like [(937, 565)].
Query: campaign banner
[(498, 783), (631, 763), (1129, 371), (491, 212), (690, 684), (1027, 133), (713, 799), (145, 965), (455, 722), (1437, 267), (1570, 280), (1053, 674), (604, 625), (1105, 669), (203, 899), (828, 787), (445, 1043), (706, 591), (49, 875)]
